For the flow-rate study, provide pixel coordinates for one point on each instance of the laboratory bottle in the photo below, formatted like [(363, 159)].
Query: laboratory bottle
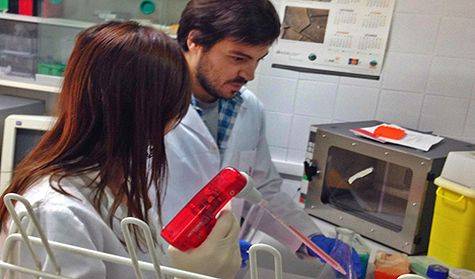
[(390, 265), (436, 271), (363, 250)]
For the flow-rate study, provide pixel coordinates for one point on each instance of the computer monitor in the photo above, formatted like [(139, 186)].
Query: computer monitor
[(21, 134)]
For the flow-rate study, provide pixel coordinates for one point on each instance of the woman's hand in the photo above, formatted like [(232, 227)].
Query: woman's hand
[(218, 255)]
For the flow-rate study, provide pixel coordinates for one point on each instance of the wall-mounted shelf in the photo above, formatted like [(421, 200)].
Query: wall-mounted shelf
[(29, 85), (47, 21), (62, 22)]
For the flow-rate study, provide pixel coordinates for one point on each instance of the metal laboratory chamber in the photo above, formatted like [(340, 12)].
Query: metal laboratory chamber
[(382, 191)]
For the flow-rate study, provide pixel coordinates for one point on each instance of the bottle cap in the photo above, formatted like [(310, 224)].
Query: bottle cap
[(410, 276), (436, 271)]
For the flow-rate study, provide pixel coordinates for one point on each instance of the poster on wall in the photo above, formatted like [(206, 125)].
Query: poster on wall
[(335, 37)]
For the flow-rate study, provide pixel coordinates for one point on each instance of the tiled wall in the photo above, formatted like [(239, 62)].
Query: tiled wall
[(428, 82)]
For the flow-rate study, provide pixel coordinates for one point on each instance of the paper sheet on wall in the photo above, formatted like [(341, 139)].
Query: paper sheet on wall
[(340, 37)]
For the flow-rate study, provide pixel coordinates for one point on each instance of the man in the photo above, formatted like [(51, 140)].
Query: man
[(223, 42)]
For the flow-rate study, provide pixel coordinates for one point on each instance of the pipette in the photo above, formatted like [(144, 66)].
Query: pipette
[(190, 227)]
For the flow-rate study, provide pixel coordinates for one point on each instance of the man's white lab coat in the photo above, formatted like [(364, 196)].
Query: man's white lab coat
[(194, 158)]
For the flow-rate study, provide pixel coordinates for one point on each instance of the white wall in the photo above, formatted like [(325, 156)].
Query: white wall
[(428, 82)]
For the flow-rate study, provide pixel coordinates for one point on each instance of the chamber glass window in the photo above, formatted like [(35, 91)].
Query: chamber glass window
[(369, 188)]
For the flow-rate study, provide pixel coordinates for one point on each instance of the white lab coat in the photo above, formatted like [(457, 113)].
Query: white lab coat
[(75, 221), (194, 158)]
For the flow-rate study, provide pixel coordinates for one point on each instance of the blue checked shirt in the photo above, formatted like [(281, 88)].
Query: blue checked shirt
[(227, 114)]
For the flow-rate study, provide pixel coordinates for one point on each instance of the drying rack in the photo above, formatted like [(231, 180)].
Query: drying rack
[(17, 233)]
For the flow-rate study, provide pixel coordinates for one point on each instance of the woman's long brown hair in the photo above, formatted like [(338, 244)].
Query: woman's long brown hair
[(124, 86)]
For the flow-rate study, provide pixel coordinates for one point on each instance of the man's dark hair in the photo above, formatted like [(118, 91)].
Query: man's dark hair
[(253, 22)]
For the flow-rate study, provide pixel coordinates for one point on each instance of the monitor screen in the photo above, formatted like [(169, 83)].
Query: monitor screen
[(25, 140), (21, 134)]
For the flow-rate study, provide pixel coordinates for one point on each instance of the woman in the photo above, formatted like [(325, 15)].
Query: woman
[(125, 87)]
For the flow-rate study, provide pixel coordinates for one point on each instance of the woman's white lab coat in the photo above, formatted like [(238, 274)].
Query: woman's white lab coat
[(194, 158), (75, 221)]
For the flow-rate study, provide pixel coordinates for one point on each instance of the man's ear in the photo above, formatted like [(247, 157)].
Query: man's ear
[(190, 41)]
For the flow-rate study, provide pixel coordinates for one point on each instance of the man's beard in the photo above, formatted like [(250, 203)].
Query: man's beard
[(206, 83), (202, 75)]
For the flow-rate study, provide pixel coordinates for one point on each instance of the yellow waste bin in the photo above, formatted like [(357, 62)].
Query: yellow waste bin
[(452, 238)]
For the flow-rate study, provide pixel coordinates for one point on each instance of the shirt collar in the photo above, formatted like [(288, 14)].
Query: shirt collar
[(237, 99)]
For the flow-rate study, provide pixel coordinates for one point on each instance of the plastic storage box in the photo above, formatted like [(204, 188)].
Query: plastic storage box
[(3, 5), (452, 238)]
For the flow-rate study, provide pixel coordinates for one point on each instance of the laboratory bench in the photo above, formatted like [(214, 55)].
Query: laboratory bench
[(296, 268)]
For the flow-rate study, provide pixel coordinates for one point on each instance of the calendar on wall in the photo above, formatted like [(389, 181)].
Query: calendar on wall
[(336, 37)]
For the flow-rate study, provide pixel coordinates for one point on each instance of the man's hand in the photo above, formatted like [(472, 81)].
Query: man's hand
[(244, 246), (341, 256)]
